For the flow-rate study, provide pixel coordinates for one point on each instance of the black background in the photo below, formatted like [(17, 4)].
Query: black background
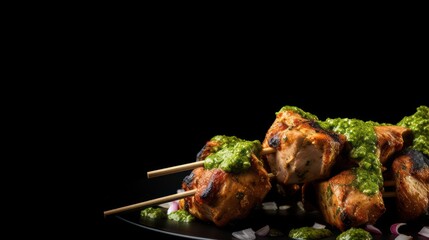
[(155, 96)]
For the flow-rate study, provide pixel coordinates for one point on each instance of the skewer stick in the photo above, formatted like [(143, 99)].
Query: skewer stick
[(152, 202), (174, 169), (388, 194), (268, 150), (190, 166), (389, 183)]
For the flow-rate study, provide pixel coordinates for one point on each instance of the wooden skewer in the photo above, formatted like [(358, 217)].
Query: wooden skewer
[(175, 169), (388, 194), (152, 202), (268, 150), (190, 166), (389, 183)]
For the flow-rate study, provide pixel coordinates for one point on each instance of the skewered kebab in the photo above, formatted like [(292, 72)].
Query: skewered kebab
[(208, 212), (342, 199), (231, 183), (200, 207), (307, 152), (354, 197), (225, 193)]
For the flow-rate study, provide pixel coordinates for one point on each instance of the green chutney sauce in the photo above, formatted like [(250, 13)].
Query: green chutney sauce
[(361, 135), (155, 213), (181, 216), (233, 154), (158, 213), (355, 234), (301, 112), (309, 233), (419, 125)]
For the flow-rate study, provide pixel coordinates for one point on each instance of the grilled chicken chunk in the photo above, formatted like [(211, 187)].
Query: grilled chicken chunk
[(345, 206), (224, 196), (305, 152), (391, 139), (341, 203), (411, 174)]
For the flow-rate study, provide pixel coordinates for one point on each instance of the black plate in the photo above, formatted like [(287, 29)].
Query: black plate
[(280, 220)]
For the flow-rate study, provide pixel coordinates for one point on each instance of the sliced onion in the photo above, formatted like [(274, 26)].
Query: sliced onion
[(245, 234), (284, 207), (263, 231), (403, 237), (395, 227), (318, 226), (174, 206), (269, 206), (372, 229), (300, 205), (424, 232)]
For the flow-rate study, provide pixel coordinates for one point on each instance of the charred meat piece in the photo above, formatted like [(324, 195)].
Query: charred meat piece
[(208, 148), (305, 151), (224, 196), (341, 202), (411, 174), (391, 139), (345, 206)]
